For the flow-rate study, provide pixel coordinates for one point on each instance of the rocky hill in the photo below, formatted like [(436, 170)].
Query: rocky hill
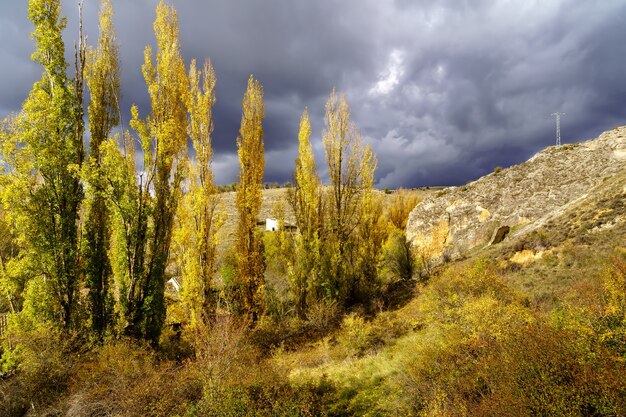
[(578, 186)]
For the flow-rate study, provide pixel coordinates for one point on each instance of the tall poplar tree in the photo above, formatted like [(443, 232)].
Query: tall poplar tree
[(164, 139), (305, 202), (129, 204), (43, 153), (199, 220), (249, 198), (103, 82), (351, 170), (370, 233)]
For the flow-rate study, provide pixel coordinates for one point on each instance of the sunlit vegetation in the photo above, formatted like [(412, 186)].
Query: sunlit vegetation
[(335, 314)]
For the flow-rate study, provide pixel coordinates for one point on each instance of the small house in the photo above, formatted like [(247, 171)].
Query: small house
[(271, 225)]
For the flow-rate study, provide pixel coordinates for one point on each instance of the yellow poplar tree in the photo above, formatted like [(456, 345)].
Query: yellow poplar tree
[(305, 201), (103, 81), (342, 145), (351, 171), (252, 161), (199, 220), (371, 231), (164, 139), (130, 208)]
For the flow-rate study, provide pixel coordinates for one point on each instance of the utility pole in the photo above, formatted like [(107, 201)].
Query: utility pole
[(558, 127)]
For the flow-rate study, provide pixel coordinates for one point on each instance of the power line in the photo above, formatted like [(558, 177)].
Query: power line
[(558, 127)]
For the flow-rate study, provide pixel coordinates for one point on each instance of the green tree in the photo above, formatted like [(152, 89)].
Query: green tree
[(370, 233), (11, 281), (398, 262), (163, 136), (43, 152), (103, 81), (249, 197), (130, 206)]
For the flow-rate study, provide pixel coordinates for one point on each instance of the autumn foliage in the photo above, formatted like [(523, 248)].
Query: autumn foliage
[(336, 314), (252, 162)]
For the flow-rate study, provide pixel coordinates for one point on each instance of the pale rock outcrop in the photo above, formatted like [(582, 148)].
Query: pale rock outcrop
[(514, 201)]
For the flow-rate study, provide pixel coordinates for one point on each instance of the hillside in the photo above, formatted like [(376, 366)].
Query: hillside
[(272, 199), (486, 335), (585, 180)]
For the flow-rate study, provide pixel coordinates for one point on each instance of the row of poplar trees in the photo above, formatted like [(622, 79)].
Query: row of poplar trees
[(92, 229)]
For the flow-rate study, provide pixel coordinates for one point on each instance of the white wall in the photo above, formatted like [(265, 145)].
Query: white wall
[(271, 225)]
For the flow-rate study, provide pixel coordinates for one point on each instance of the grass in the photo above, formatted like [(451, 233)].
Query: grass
[(468, 344)]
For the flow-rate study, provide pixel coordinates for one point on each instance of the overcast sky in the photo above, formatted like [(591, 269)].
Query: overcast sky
[(444, 91)]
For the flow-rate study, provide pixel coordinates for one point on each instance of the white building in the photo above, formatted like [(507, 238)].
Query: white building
[(175, 284), (271, 225)]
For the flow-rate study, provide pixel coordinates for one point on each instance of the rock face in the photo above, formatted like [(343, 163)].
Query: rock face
[(517, 200)]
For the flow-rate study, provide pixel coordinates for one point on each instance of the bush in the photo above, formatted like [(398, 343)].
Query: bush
[(239, 381), (42, 360), (323, 316), (398, 258), (267, 397), (358, 337), (402, 203), (482, 352), (128, 379), (290, 331), (550, 371), (355, 335)]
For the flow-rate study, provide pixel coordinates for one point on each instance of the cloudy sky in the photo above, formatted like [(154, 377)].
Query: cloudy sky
[(444, 90)]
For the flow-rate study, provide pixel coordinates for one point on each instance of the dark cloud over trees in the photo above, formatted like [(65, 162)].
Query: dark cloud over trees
[(443, 91)]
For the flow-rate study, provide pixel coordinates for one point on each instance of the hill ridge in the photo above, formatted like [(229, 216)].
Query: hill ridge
[(517, 200)]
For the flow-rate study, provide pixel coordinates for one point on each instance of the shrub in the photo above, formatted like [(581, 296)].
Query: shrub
[(398, 258), (239, 381), (402, 203), (482, 352), (266, 397), (43, 361), (355, 335), (127, 379), (358, 337), (323, 315)]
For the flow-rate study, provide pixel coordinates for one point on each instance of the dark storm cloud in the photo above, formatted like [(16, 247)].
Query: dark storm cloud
[(443, 91)]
